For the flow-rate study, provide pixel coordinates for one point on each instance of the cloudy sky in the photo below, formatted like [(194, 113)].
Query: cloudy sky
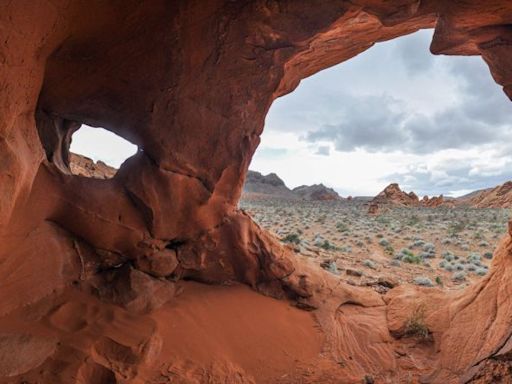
[(395, 113)]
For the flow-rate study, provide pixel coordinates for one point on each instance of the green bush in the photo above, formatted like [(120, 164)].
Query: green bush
[(291, 238)]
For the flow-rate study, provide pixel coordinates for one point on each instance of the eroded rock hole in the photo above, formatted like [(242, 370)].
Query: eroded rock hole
[(98, 153), (384, 169)]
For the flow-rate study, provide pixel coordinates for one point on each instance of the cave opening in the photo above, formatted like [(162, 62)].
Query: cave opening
[(98, 153), (393, 119)]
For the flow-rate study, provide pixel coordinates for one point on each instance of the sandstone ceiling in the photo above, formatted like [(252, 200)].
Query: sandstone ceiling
[(190, 83)]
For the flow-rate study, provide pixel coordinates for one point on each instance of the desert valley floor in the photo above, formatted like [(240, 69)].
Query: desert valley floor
[(445, 247)]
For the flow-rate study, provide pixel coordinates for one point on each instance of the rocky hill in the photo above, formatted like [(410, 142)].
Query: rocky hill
[(316, 192), (393, 196), (258, 185), (497, 197)]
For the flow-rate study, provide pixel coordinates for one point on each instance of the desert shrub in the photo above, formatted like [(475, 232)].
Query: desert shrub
[(446, 241), (389, 250), (455, 228), (416, 326), (427, 255), (488, 255), (474, 257), (483, 244), (417, 243), (458, 267), (403, 252), (412, 259), (478, 236), (448, 256), (481, 271), (459, 276), (395, 263), (471, 267), (449, 267), (439, 281), (327, 245), (413, 220), (423, 281), (342, 227), (330, 266), (292, 238), (383, 242), (370, 264), (429, 247)]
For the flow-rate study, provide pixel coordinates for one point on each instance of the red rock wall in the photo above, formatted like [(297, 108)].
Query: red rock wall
[(190, 83)]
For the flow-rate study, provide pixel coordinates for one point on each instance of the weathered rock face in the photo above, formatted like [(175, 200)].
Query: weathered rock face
[(83, 166), (497, 197), (316, 192), (391, 196), (190, 83)]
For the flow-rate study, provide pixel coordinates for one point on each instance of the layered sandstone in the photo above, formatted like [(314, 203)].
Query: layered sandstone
[(497, 197), (393, 196), (136, 279), (84, 166)]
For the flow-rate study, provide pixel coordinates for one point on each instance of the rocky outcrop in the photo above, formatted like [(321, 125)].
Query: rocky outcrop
[(436, 201), (83, 166), (318, 192), (190, 83), (497, 197), (393, 196), (257, 184)]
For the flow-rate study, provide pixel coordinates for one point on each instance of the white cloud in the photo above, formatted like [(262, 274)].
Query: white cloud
[(395, 113)]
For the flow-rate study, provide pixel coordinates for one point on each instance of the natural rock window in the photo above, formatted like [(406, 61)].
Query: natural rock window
[(98, 153), (156, 276)]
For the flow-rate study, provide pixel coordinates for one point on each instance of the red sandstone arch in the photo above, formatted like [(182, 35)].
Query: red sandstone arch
[(190, 83)]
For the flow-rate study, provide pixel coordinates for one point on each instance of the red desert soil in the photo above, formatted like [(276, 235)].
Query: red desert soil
[(235, 328), (236, 333)]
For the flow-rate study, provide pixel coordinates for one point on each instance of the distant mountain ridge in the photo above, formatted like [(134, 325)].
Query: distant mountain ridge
[(271, 184), (258, 185)]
